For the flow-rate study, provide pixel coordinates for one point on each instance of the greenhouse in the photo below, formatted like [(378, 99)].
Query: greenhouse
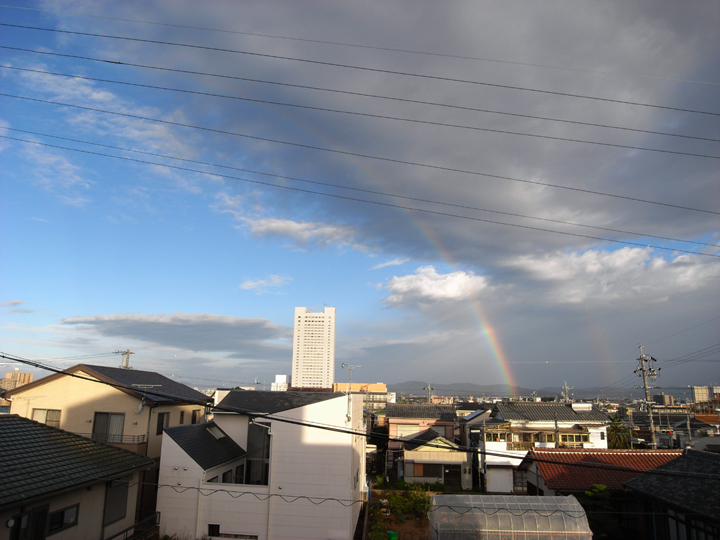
[(501, 517)]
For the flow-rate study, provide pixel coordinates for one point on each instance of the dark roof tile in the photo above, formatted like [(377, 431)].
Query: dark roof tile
[(545, 412), (203, 447), (272, 402), (39, 460), (402, 410)]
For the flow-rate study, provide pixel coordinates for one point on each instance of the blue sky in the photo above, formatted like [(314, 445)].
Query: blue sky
[(198, 271)]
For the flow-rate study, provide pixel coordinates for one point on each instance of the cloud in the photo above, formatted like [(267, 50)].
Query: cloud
[(241, 337), (270, 281), (627, 275), (394, 262), (426, 285), (12, 303)]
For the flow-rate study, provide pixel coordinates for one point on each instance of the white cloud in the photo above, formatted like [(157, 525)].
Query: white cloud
[(394, 262), (625, 275), (270, 281), (427, 285)]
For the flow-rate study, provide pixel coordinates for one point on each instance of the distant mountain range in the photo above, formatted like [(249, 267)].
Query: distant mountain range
[(417, 388)]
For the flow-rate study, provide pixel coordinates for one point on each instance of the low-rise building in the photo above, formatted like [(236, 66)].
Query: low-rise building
[(375, 395), (64, 486), (271, 465)]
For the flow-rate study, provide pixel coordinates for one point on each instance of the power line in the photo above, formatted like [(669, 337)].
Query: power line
[(367, 115), (347, 431), (366, 201), (360, 94), (357, 45), (360, 68), (374, 192), (357, 154)]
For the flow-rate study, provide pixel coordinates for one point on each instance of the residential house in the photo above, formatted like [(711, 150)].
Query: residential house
[(516, 427), (271, 465), (406, 421), (430, 458), (559, 471), (680, 499), (64, 486), (128, 408)]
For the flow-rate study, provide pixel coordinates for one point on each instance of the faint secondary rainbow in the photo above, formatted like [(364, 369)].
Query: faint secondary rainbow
[(486, 331)]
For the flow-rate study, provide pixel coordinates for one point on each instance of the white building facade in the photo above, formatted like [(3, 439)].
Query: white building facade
[(313, 359), (271, 477)]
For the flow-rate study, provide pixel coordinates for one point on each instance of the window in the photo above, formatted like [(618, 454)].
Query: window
[(227, 477), (213, 480), (30, 525), (602, 435), (423, 470), (63, 519), (519, 481), (51, 417), (182, 417), (213, 530), (162, 422), (108, 427), (116, 496), (240, 474), (195, 416)]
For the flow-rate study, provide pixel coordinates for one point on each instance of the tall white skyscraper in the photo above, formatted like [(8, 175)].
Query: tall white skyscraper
[(313, 359)]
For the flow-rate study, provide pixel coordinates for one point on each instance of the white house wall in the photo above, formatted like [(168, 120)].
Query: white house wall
[(304, 462)]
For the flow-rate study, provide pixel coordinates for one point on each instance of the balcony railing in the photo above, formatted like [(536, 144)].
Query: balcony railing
[(140, 530), (114, 439)]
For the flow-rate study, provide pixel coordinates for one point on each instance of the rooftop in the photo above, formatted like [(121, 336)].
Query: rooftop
[(693, 487), (565, 473), (139, 383), (37, 461), (207, 444), (401, 410), (546, 412), (272, 402)]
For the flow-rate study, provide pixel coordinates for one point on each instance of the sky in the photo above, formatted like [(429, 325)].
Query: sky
[(515, 193)]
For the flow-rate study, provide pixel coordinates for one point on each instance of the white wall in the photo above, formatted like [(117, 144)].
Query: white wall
[(304, 462)]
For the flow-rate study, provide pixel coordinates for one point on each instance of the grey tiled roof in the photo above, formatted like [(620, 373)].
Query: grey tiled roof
[(545, 412), (696, 489), (424, 437), (160, 383), (37, 461), (272, 402), (203, 447), (401, 410)]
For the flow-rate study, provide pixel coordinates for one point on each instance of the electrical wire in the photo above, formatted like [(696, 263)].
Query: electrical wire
[(360, 68), (359, 94), (366, 115), (357, 154), (357, 45), (367, 201), (338, 186), (349, 431)]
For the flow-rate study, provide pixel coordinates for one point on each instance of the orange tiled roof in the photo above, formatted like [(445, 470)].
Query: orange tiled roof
[(562, 475)]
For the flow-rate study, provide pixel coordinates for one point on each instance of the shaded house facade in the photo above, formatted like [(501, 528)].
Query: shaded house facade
[(63, 486), (430, 458), (123, 411), (681, 500), (251, 472)]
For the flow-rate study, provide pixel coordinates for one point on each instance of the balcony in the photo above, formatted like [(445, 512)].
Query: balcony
[(134, 443), (146, 529)]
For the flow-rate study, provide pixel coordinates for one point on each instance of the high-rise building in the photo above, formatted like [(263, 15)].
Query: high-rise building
[(313, 358), (14, 379)]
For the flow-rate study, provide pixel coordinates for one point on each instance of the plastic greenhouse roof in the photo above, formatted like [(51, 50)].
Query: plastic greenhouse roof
[(495, 516)]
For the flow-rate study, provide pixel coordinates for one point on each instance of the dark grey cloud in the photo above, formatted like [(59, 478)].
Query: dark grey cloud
[(242, 338)]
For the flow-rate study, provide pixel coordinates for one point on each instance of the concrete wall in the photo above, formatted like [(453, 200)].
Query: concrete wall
[(304, 462), (91, 507)]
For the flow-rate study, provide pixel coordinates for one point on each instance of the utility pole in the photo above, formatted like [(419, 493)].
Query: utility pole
[(565, 389), (349, 389), (429, 389), (125, 364), (646, 372)]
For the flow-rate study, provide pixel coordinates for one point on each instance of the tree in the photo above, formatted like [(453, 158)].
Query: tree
[(619, 433)]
